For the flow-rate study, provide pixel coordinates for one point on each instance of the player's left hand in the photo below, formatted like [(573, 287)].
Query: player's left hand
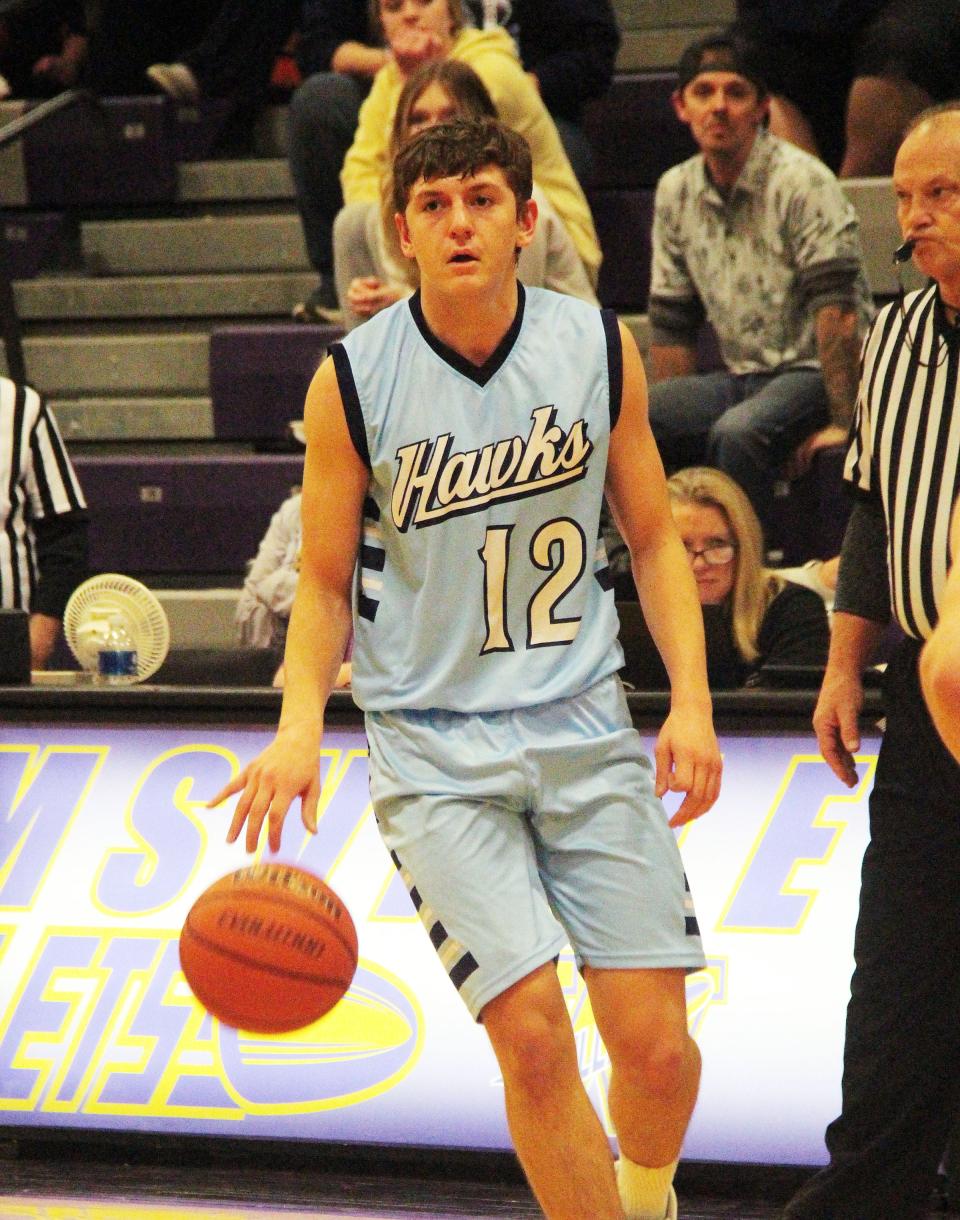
[(688, 760)]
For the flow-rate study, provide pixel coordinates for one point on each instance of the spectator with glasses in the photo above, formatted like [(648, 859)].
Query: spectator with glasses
[(772, 621)]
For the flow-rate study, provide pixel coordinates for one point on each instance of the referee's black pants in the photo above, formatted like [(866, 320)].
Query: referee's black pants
[(901, 1069)]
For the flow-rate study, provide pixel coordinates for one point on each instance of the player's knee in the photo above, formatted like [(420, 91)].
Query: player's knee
[(658, 1061), (532, 1047)]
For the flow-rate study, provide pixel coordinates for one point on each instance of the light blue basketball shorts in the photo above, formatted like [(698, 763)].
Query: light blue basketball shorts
[(518, 831)]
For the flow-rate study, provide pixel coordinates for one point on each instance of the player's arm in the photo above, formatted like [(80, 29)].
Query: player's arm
[(687, 755), (335, 482), (940, 658)]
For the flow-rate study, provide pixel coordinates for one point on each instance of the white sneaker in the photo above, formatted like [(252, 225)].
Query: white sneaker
[(671, 1206)]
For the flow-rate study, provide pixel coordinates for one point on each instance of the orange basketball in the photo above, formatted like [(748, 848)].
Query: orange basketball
[(269, 948)]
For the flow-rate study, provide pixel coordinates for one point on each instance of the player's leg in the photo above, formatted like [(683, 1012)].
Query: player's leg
[(556, 1132), (655, 1074), (469, 861), (609, 862)]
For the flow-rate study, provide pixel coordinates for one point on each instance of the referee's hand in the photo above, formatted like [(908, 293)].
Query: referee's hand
[(836, 722)]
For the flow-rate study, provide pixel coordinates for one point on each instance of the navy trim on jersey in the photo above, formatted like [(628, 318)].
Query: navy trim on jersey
[(482, 373), (466, 966), (611, 328), (352, 410), (372, 557)]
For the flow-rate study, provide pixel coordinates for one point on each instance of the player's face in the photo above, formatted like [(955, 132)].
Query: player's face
[(427, 16), (723, 111), (464, 232), (704, 528), (433, 106), (926, 182)]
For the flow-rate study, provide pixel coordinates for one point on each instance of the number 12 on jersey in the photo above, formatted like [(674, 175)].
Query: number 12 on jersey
[(558, 548)]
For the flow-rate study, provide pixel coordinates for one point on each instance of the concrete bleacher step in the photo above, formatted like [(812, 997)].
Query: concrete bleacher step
[(655, 32), (133, 418), (272, 242), (201, 618), (261, 294), (110, 365), (219, 181)]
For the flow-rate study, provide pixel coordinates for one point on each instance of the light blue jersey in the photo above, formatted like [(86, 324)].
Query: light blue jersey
[(482, 581)]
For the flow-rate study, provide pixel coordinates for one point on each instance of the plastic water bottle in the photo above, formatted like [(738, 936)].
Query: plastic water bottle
[(117, 658)]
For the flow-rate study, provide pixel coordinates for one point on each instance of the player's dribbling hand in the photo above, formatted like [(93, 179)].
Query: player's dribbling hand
[(289, 767), (688, 760)]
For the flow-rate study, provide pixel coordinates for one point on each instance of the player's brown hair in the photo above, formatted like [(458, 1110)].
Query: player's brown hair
[(458, 150)]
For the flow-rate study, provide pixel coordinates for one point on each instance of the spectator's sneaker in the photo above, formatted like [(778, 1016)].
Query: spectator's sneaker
[(319, 307), (176, 81)]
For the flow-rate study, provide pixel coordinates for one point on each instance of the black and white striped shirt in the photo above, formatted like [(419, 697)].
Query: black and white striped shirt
[(905, 448), (41, 506)]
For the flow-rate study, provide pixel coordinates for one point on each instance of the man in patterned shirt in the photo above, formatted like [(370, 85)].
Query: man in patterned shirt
[(755, 237)]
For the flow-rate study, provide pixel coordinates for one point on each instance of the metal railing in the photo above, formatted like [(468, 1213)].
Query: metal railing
[(10, 329)]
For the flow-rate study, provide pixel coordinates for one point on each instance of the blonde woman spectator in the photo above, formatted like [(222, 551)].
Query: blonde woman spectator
[(772, 621)]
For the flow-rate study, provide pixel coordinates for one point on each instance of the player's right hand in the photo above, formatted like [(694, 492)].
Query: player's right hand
[(836, 722), (289, 767)]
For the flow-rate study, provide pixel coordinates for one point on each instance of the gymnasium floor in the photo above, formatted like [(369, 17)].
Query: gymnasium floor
[(48, 1188)]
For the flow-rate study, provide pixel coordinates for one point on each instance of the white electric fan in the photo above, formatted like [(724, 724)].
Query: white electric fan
[(97, 604)]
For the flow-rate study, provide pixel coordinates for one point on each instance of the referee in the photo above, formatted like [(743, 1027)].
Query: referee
[(901, 1077), (43, 517)]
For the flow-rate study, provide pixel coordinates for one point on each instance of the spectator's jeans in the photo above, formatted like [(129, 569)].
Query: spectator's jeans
[(744, 425), (323, 121), (901, 1060)]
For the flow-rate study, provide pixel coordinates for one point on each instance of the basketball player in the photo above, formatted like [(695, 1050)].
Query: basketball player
[(458, 448), (940, 655)]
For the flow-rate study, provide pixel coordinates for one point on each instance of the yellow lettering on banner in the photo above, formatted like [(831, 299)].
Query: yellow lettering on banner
[(40, 810), (169, 829), (764, 898)]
